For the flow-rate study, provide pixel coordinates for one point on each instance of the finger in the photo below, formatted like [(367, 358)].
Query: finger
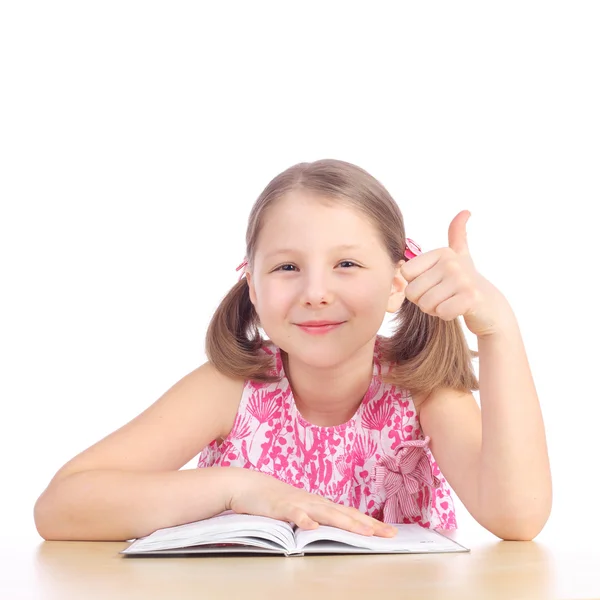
[(423, 283), (432, 298), (355, 521), (335, 517), (389, 531), (380, 528), (411, 269), (384, 529), (457, 232), (453, 307), (300, 517)]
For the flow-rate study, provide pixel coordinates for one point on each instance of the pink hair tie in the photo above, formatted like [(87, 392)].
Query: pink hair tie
[(242, 266), (412, 249)]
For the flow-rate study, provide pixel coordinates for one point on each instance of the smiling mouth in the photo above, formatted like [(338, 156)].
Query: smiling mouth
[(317, 329), (319, 324)]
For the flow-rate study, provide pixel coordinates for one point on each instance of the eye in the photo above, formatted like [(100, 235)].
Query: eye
[(290, 270), (281, 268)]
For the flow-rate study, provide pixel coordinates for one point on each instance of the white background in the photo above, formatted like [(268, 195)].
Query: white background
[(135, 137)]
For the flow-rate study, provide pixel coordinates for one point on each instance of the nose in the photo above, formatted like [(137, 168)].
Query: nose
[(316, 288)]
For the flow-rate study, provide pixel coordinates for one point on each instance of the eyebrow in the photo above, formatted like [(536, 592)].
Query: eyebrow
[(292, 250)]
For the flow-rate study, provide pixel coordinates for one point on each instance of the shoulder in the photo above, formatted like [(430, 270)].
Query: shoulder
[(222, 391), (442, 401), (195, 410), (210, 381)]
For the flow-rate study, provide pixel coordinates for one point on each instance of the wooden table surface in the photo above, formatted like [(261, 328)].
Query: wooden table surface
[(493, 569)]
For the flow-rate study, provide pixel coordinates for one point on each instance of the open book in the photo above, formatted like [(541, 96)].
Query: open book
[(234, 533)]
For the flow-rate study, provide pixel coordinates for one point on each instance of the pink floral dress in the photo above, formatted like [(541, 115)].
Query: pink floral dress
[(378, 462)]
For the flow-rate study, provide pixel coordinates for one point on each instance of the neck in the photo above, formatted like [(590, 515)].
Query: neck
[(328, 397)]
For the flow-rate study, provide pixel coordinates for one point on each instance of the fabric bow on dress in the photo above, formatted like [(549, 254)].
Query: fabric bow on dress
[(402, 477)]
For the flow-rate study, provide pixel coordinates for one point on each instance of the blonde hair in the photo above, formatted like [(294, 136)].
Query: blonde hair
[(424, 352)]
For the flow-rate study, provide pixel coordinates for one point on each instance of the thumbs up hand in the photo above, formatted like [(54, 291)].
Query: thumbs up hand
[(444, 283)]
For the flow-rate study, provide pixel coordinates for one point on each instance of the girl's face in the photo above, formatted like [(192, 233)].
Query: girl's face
[(316, 261)]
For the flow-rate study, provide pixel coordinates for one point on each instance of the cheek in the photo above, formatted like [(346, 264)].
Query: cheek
[(272, 297), (370, 297)]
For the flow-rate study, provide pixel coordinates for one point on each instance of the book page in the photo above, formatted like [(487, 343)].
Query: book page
[(216, 549), (409, 538), (220, 529)]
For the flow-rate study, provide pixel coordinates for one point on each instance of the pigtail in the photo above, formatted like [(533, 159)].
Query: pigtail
[(426, 352), (233, 340)]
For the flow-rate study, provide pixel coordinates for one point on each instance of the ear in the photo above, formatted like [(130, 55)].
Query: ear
[(399, 284), (251, 289)]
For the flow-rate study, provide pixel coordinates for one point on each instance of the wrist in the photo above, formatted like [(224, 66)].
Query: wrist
[(238, 483), (505, 324)]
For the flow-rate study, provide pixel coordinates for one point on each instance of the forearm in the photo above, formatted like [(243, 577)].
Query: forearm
[(121, 505), (515, 489)]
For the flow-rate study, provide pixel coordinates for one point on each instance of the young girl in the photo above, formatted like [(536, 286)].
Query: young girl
[(321, 420)]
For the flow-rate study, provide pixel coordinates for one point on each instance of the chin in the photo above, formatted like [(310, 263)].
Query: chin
[(323, 355), (318, 352)]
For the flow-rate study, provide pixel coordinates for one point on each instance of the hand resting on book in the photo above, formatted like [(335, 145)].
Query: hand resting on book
[(265, 495)]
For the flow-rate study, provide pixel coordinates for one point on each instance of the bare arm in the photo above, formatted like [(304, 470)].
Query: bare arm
[(129, 484), (121, 505), (514, 476), (495, 459)]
